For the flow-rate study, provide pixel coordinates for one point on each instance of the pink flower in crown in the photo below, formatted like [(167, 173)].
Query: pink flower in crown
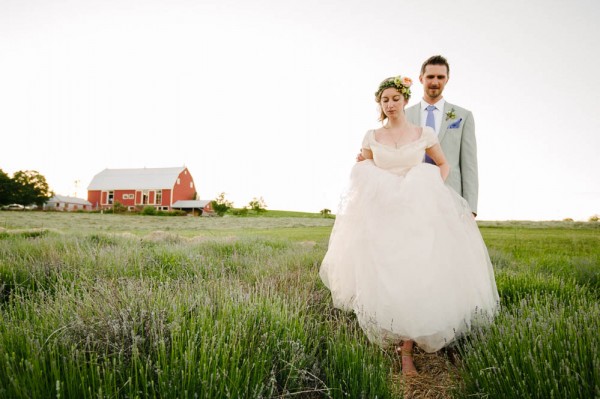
[(406, 82)]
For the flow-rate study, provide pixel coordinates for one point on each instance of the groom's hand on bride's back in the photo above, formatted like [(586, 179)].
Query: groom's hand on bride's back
[(359, 157)]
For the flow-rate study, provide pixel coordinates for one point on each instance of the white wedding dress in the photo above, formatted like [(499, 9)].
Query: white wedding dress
[(405, 253)]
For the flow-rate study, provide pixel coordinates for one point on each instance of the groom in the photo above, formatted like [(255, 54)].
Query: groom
[(454, 125)]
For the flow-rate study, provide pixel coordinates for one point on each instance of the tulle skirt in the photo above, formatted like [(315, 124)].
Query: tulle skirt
[(407, 257)]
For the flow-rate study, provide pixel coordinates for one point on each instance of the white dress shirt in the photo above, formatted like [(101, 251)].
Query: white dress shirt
[(437, 113)]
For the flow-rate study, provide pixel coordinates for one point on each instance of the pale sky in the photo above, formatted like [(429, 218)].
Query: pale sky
[(272, 98)]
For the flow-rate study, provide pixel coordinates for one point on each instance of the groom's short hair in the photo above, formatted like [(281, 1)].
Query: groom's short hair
[(435, 60)]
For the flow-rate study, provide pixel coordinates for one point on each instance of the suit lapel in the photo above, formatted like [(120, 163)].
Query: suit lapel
[(445, 121), (413, 114)]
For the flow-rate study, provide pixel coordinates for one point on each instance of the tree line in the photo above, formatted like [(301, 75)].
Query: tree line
[(221, 206), (25, 187)]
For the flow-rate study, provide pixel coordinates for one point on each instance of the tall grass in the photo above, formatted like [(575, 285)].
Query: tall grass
[(128, 306), (169, 316), (545, 343), (542, 347)]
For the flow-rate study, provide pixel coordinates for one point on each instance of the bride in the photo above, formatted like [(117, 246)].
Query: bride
[(405, 253)]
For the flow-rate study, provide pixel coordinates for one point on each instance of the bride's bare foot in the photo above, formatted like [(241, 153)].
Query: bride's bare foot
[(405, 351), (408, 367)]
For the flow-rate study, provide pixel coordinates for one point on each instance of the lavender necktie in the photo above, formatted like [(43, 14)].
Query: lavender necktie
[(430, 121)]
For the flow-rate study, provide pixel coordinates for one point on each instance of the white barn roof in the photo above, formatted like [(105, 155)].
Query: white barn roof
[(135, 179), (69, 200), (184, 204)]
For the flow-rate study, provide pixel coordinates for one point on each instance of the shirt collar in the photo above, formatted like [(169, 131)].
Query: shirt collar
[(439, 105)]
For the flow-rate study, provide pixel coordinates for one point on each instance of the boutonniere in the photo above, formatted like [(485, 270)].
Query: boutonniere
[(451, 114)]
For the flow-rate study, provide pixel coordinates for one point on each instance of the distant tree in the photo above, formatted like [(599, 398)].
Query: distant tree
[(594, 218), (258, 205), (7, 189), (325, 212), (221, 205), (31, 188)]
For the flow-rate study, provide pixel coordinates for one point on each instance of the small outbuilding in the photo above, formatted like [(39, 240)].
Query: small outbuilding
[(66, 203), (196, 207)]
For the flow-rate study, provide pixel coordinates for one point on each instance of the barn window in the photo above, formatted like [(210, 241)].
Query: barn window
[(111, 196), (191, 184), (159, 197), (178, 180)]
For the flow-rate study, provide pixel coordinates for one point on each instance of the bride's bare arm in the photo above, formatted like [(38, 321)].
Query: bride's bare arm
[(439, 158)]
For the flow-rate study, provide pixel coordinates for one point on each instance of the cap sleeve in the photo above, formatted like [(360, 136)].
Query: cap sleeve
[(366, 143), (429, 136)]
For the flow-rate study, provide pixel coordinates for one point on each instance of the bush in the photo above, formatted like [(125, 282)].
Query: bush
[(326, 213), (594, 218), (149, 211), (119, 208), (239, 211), (258, 205), (176, 212), (221, 205)]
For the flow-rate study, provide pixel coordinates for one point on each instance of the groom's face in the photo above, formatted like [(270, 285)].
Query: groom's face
[(434, 79)]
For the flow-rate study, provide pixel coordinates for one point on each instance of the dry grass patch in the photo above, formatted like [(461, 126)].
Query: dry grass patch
[(437, 378)]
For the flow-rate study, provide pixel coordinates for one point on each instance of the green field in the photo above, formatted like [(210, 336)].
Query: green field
[(122, 306)]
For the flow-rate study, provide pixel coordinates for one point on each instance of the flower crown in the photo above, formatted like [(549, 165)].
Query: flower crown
[(401, 83)]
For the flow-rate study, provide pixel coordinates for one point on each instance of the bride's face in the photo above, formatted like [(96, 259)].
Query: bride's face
[(392, 102)]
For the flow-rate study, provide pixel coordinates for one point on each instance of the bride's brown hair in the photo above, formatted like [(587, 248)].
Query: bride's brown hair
[(397, 82)]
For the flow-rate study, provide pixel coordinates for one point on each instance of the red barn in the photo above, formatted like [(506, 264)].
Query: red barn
[(138, 188)]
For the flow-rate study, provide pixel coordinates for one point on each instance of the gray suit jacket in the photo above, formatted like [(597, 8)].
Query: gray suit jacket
[(457, 139)]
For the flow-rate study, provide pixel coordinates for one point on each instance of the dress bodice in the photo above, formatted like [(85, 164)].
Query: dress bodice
[(399, 160)]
